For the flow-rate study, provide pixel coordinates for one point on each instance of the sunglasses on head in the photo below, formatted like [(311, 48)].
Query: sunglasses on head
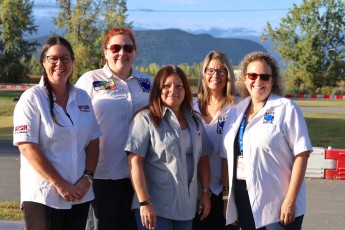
[(128, 48), (263, 76)]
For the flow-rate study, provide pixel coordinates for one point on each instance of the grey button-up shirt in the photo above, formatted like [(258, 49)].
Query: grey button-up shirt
[(165, 163)]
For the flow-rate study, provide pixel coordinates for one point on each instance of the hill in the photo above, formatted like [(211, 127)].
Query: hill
[(173, 46)]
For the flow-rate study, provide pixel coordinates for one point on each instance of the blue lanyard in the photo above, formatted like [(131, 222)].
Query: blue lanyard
[(241, 132), (242, 127)]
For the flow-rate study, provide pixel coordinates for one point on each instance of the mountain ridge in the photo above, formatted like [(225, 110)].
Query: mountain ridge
[(175, 46)]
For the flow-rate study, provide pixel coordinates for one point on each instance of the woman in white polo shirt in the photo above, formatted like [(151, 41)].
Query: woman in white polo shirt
[(267, 148), (117, 91), (216, 94), (167, 155), (57, 135)]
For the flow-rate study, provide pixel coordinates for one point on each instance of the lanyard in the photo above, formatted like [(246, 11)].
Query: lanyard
[(241, 132), (242, 128)]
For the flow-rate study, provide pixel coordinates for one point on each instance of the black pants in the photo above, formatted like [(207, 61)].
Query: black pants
[(42, 217), (215, 220), (112, 205)]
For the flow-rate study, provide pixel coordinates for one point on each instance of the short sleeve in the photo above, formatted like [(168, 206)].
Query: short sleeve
[(139, 134), (26, 119), (296, 131)]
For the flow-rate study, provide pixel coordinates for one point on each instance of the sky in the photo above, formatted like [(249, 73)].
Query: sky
[(222, 18)]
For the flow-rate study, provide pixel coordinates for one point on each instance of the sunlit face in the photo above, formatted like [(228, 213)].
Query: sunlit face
[(259, 89), (119, 62), (173, 92), (59, 72), (215, 81)]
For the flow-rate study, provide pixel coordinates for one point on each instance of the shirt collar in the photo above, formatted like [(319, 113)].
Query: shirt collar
[(109, 73)]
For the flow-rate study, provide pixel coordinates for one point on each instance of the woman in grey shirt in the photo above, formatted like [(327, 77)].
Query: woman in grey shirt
[(167, 154)]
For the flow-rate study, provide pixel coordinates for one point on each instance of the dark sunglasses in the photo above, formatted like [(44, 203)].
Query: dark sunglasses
[(263, 76), (128, 48)]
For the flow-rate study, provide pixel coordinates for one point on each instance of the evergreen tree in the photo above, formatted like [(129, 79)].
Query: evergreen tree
[(16, 21), (86, 24)]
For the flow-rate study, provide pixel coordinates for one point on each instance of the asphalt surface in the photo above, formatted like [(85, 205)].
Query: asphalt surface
[(325, 198)]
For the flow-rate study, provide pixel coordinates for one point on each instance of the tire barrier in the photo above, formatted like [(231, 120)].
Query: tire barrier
[(326, 164)]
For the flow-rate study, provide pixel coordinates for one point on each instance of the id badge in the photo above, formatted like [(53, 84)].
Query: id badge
[(240, 170)]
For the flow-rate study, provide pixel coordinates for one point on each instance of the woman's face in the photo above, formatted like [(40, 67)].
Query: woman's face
[(258, 88), (215, 76), (58, 64), (173, 92), (120, 61)]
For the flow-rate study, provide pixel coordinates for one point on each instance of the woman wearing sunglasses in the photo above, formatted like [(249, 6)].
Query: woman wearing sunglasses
[(117, 92), (267, 148)]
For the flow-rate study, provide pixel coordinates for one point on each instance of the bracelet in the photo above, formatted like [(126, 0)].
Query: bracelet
[(88, 177), (146, 202), (205, 190), (88, 172), (225, 197), (226, 188)]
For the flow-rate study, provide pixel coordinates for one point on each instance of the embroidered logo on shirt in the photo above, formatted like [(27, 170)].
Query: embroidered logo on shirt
[(268, 117), (21, 129), (145, 84), (84, 108), (220, 125), (198, 132), (104, 85)]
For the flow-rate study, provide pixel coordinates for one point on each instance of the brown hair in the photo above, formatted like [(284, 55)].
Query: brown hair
[(155, 102), (54, 40), (277, 87), (204, 91)]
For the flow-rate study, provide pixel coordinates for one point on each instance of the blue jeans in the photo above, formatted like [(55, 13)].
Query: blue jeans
[(295, 225), (165, 223)]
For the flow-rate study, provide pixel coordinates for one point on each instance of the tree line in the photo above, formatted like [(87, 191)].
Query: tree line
[(310, 40)]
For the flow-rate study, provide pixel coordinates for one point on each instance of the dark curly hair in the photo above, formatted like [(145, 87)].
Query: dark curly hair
[(277, 87)]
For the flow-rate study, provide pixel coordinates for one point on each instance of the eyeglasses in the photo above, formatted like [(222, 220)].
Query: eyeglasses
[(220, 72), (54, 59), (128, 48), (263, 76)]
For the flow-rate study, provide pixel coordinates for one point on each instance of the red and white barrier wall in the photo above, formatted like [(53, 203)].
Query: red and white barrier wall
[(315, 96), (15, 87), (326, 164)]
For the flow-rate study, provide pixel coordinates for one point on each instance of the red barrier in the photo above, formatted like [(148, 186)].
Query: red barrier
[(301, 95), (339, 171), (313, 95), (326, 96), (340, 97)]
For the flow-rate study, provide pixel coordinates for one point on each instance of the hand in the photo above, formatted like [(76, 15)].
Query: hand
[(204, 205), (148, 216), (287, 212), (82, 186), (67, 191)]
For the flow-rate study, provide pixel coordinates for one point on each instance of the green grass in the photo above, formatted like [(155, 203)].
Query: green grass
[(326, 129), (321, 103), (10, 210)]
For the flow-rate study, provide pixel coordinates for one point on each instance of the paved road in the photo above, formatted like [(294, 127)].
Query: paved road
[(325, 198)]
